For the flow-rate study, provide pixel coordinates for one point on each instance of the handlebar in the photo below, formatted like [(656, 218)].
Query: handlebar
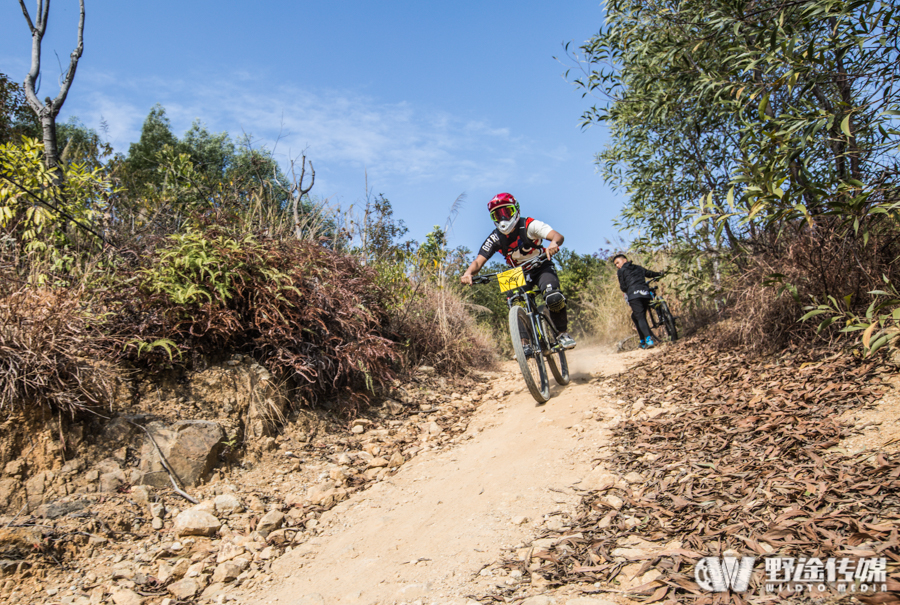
[(526, 266)]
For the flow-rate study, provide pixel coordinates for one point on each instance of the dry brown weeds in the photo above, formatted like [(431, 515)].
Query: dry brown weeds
[(52, 351)]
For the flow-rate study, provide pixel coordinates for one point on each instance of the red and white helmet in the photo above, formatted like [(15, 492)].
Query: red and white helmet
[(504, 211)]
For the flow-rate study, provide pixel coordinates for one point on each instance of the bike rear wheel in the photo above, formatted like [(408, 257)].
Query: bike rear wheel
[(668, 321), (559, 367), (528, 354)]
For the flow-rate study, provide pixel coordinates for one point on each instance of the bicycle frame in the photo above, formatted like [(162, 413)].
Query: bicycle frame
[(526, 296)]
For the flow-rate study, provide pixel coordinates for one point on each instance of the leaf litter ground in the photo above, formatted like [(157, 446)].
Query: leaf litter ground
[(744, 458)]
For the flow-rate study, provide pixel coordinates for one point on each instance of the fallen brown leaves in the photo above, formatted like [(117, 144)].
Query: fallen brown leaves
[(745, 461)]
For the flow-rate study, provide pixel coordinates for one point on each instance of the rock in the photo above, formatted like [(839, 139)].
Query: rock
[(180, 568), (538, 600), (320, 494), (184, 589), (21, 541), (8, 489), (229, 551), (126, 597), (393, 407), (190, 447), (8, 566), (589, 601), (256, 505), (196, 523), (433, 429), (279, 537), (613, 502), (358, 429), (226, 572), (111, 482), (634, 553), (271, 521), (207, 506), (214, 590), (157, 509), (539, 582), (37, 485), (141, 494), (55, 510), (164, 572), (15, 467), (378, 462), (634, 477), (267, 553), (344, 459), (599, 480), (554, 523), (228, 503), (338, 475), (396, 460), (410, 592), (520, 520)]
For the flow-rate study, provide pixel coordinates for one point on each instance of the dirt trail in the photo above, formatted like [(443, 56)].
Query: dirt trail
[(425, 533)]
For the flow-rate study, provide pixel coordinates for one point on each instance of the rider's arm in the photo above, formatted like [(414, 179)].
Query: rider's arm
[(649, 273), (556, 240), (474, 268)]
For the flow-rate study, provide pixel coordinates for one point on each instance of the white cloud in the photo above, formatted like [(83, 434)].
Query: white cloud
[(340, 131)]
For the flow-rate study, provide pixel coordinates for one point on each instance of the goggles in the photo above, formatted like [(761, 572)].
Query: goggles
[(503, 213)]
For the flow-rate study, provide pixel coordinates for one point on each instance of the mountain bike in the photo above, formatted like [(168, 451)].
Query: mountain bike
[(660, 315), (534, 337)]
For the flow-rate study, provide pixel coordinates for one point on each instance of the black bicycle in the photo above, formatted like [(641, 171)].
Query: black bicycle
[(534, 337), (660, 315)]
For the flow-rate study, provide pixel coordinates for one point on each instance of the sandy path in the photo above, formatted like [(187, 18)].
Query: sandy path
[(427, 531)]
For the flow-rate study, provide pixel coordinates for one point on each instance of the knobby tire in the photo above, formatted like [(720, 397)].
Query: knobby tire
[(533, 370), (558, 367), (668, 321)]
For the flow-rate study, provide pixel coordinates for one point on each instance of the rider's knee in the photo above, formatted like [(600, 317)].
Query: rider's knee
[(556, 302)]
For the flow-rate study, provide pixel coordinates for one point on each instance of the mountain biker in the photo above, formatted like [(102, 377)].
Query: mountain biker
[(633, 282), (520, 239)]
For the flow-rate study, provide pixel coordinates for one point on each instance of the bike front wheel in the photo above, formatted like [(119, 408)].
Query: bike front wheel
[(559, 367), (528, 354)]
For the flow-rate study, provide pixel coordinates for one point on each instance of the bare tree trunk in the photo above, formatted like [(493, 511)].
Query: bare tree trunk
[(297, 193), (49, 109)]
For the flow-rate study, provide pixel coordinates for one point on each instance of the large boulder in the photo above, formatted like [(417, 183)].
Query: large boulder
[(191, 448)]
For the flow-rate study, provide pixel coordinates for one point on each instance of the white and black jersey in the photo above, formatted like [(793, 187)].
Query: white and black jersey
[(522, 244)]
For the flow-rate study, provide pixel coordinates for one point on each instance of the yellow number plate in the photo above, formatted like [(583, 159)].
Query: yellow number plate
[(512, 279)]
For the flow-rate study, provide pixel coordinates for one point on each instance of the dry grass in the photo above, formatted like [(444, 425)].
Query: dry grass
[(439, 330), (605, 312), (51, 351)]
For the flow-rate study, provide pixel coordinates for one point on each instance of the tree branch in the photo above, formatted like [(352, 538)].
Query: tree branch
[(73, 64), (27, 16)]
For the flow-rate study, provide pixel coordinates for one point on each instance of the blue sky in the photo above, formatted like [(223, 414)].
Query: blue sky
[(430, 100)]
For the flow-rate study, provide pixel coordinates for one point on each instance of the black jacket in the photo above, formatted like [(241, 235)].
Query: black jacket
[(633, 280)]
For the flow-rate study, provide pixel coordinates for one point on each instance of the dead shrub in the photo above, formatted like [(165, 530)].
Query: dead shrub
[(52, 351), (771, 285), (309, 314)]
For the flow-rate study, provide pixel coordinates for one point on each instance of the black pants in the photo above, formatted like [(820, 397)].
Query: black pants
[(639, 308), (548, 283)]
